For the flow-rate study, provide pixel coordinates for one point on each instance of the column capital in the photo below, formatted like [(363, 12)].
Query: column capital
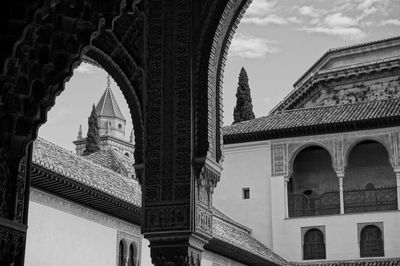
[(177, 251), (340, 174), (287, 178)]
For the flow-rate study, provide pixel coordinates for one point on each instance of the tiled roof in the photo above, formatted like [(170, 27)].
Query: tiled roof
[(236, 236), (337, 115), (108, 106), (359, 262), (114, 161), (77, 168)]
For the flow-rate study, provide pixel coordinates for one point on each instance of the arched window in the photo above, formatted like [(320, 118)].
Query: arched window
[(121, 253), (314, 245), (131, 261), (371, 242)]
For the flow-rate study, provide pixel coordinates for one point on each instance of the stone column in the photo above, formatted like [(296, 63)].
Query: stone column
[(182, 154), (340, 175), (286, 195), (397, 171)]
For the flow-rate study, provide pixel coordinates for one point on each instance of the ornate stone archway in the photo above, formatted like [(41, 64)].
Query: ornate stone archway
[(171, 55)]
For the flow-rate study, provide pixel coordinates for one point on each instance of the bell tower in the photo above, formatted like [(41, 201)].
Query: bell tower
[(112, 125), (111, 120)]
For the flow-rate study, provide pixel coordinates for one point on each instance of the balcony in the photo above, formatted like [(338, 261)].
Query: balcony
[(355, 201), (303, 205), (374, 199)]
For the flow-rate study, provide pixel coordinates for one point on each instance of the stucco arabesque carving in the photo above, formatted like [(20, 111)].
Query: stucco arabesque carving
[(339, 145)]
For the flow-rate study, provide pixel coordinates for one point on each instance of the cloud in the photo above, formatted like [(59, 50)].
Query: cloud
[(350, 33), (294, 20), (392, 22), (337, 20), (270, 19), (310, 11), (251, 47), (369, 7), (85, 68), (261, 8), (266, 12)]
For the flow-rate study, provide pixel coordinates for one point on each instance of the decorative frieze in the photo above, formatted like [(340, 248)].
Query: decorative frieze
[(377, 89), (337, 145), (279, 157)]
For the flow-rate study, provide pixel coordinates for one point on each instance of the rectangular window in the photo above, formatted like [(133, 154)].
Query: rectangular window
[(246, 193)]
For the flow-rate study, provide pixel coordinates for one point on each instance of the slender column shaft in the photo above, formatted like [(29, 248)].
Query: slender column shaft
[(340, 176), (341, 195), (286, 201), (398, 189)]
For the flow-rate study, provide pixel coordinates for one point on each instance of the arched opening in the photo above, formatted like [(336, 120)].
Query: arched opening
[(371, 242), (313, 187), (121, 253), (370, 182), (132, 255), (314, 245)]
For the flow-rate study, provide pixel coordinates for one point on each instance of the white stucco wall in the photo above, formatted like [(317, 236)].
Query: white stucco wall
[(247, 165), (63, 233), (212, 259), (341, 234)]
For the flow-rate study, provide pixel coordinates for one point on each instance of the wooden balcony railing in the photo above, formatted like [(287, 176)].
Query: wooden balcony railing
[(357, 200), (302, 205), (365, 200)]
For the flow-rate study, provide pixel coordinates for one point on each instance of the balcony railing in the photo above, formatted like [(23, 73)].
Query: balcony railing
[(365, 200), (303, 205)]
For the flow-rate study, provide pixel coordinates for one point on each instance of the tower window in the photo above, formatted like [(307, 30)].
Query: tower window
[(119, 126), (246, 193)]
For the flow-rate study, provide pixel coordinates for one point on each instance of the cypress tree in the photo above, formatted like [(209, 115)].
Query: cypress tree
[(244, 108), (92, 139)]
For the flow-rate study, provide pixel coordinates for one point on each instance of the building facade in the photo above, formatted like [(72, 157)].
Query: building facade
[(318, 179)]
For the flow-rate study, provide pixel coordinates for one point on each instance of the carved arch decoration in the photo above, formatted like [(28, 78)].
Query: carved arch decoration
[(50, 47), (53, 36), (295, 148), (382, 139), (222, 19)]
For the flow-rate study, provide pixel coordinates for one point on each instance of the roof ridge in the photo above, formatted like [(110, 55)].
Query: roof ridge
[(335, 105), (357, 45)]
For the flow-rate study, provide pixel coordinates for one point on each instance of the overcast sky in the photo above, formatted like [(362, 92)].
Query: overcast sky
[(277, 41)]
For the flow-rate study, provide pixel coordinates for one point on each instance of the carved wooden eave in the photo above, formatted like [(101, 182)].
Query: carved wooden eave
[(230, 251), (43, 179)]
